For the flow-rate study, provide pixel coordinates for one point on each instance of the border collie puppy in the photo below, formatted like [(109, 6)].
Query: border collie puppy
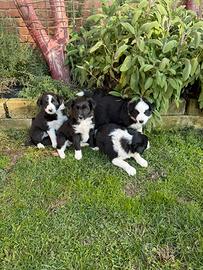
[(48, 120), (124, 112), (120, 143), (79, 128)]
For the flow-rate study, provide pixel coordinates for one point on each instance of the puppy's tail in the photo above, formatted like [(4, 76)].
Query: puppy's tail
[(96, 93), (84, 93)]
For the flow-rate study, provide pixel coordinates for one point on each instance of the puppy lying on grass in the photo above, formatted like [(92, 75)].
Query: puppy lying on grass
[(120, 143)]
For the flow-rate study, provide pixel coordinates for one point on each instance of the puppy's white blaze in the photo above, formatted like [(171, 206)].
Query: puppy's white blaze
[(83, 128), (124, 165), (141, 161), (80, 94), (116, 137), (50, 106), (78, 154), (62, 150), (40, 146), (141, 107)]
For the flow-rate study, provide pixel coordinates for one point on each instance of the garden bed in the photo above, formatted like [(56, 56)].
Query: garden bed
[(18, 112)]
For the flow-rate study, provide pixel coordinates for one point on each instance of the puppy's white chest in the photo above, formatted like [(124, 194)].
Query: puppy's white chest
[(56, 124), (84, 128)]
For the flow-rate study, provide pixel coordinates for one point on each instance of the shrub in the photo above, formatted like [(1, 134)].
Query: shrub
[(18, 62), (139, 48), (36, 85)]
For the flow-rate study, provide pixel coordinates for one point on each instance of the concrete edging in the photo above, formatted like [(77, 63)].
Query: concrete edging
[(17, 113), (179, 121)]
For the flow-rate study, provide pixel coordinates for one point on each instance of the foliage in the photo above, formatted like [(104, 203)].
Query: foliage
[(148, 48), (57, 214), (18, 62), (36, 85)]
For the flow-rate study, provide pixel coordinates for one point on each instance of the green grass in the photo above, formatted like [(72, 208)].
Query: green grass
[(88, 214)]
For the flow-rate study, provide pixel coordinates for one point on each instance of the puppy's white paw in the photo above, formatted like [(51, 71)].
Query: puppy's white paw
[(95, 148), (143, 163), (54, 145), (83, 144), (78, 154), (61, 153), (40, 146), (131, 171)]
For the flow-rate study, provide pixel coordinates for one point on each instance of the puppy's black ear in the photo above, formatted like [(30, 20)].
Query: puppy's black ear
[(39, 101), (131, 105), (59, 99), (139, 143), (69, 104), (92, 103)]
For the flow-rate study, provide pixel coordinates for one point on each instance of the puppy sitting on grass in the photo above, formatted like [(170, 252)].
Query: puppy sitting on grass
[(78, 130), (120, 143)]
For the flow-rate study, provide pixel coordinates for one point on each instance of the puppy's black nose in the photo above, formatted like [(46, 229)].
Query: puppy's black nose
[(141, 121), (50, 110)]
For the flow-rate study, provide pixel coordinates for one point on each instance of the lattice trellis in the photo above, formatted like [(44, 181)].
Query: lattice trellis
[(77, 11)]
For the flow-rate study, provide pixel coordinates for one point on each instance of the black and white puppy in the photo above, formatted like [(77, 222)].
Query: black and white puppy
[(48, 120), (124, 112), (79, 128), (120, 143)]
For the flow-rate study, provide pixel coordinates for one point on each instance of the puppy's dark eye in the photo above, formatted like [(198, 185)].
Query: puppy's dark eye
[(147, 112), (77, 107)]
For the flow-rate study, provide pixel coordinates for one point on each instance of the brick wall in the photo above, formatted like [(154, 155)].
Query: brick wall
[(77, 11)]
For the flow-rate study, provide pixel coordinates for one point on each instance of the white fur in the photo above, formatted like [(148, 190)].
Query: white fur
[(141, 161), (50, 109), (116, 137), (54, 126), (80, 94), (63, 148), (40, 146), (124, 165), (78, 154), (84, 128), (141, 107)]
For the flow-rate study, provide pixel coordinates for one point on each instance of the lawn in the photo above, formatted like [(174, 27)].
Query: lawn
[(88, 214)]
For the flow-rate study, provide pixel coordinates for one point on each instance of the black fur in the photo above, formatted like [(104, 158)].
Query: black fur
[(80, 110), (40, 123), (104, 141), (111, 109)]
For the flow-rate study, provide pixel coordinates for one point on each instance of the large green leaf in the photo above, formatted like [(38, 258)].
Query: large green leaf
[(120, 51), (187, 69), (194, 65), (148, 83), (96, 46), (126, 64), (148, 26), (169, 46), (128, 27)]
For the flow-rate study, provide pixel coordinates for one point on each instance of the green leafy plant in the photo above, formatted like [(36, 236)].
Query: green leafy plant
[(36, 85), (139, 48), (18, 61)]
